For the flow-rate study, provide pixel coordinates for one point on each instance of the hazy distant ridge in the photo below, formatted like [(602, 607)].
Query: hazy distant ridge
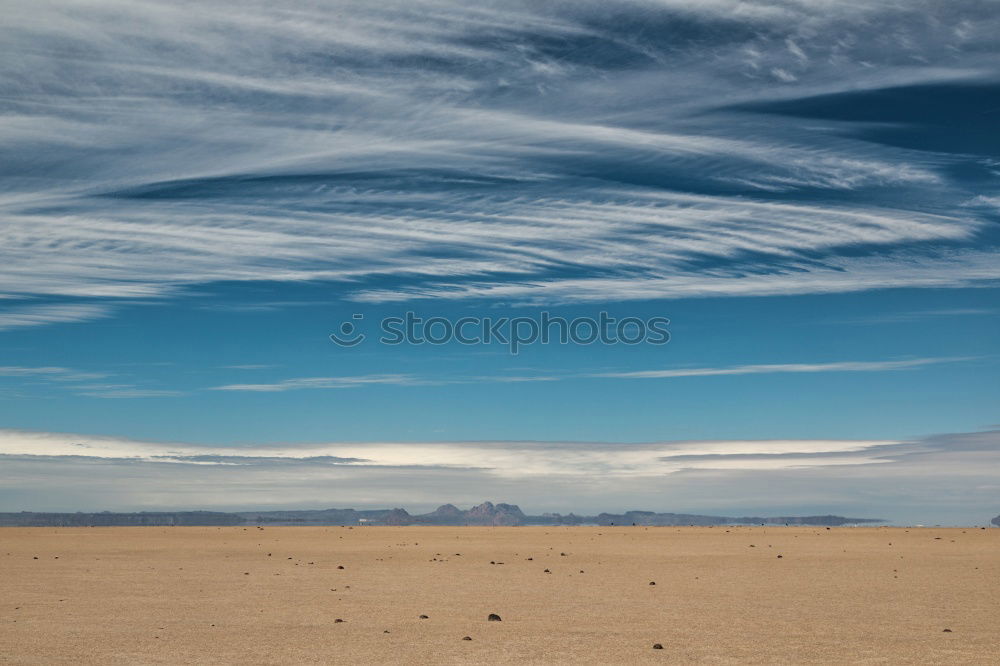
[(486, 513), (109, 519)]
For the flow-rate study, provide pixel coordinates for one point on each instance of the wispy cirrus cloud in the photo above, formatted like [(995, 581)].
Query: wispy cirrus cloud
[(322, 383), (919, 315), (37, 315), (515, 150), (127, 391), (301, 383), (81, 383), (49, 373), (777, 368)]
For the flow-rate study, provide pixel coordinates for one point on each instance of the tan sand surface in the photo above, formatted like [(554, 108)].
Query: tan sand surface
[(137, 595)]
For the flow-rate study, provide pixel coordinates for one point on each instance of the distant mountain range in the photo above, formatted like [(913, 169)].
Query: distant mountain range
[(996, 521), (486, 513)]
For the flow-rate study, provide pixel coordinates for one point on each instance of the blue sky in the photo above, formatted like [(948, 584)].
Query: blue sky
[(192, 200)]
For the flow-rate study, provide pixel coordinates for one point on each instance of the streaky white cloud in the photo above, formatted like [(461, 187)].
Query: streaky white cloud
[(969, 269), (321, 383), (302, 383), (917, 315), (49, 373), (129, 392), (772, 368), (37, 315)]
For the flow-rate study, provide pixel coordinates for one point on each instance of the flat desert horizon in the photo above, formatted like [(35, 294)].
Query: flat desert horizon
[(309, 595)]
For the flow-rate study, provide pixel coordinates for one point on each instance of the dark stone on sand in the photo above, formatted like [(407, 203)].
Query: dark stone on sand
[(547, 571), (424, 617), (657, 646), (652, 582), (493, 617), (338, 621), (340, 566), (780, 556), (947, 631), (466, 638)]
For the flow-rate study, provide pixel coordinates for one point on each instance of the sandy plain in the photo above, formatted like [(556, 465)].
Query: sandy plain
[(184, 595)]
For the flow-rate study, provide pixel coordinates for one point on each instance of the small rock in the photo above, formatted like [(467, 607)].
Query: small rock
[(424, 617), (340, 566), (947, 631), (493, 617), (657, 646), (338, 621), (652, 582), (466, 638)]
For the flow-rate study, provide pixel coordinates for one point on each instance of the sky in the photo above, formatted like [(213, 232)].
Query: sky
[(192, 200)]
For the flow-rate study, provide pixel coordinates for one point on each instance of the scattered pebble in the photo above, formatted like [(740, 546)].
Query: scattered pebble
[(493, 617), (657, 646)]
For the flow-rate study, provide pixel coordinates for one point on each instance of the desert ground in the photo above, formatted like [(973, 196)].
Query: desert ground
[(274, 595)]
